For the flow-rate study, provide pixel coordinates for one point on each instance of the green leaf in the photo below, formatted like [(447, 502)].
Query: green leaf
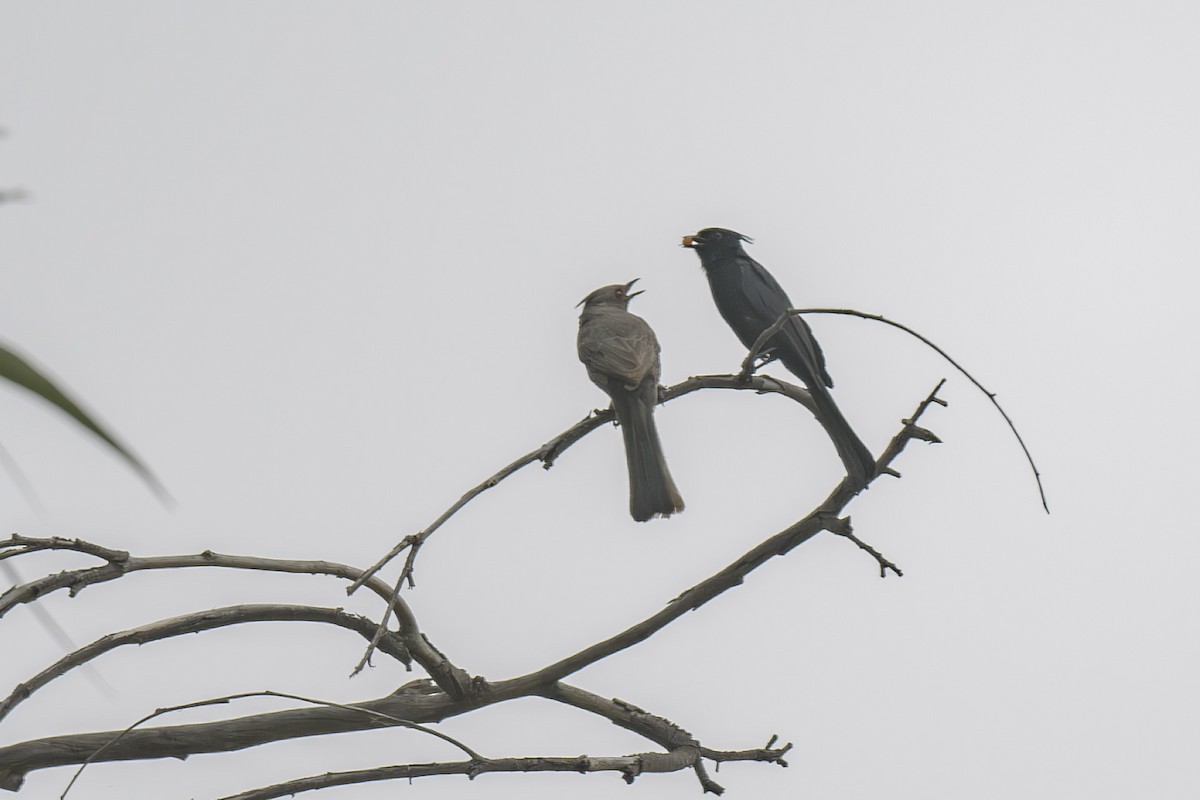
[(19, 371)]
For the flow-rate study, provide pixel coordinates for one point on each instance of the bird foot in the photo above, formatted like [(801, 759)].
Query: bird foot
[(763, 360)]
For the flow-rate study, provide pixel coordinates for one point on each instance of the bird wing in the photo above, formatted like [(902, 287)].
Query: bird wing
[(620, 345), (767, 296)]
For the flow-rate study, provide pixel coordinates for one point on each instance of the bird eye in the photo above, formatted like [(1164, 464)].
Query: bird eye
[(717, 235), (620, 293)]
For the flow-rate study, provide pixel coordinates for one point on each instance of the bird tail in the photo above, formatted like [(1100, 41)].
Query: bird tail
[(859, 463), (652, 493)]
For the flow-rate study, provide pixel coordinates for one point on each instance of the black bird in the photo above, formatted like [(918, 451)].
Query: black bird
[(751, 300), (620, 352)]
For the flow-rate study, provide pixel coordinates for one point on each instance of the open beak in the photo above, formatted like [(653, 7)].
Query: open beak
[(630, 295), (688, 241)]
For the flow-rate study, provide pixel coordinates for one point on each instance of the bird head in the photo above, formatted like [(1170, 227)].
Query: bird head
[(617, 295), (715, 240)]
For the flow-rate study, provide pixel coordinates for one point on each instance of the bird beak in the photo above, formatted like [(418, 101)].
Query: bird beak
[(630, 295), (689, 241)]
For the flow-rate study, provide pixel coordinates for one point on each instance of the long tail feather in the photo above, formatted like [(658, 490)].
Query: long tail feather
[(652, 492)]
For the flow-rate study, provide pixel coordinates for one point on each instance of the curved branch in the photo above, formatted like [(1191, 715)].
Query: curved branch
[(748, 367), (414, 702), (391, 644), (181, 741), (683, 749), (56, 632), (630, 768), (823, 517), (407, 706), (18, 545), (659, 730), (243, 695), (120, 562), (448, 676), (549, 452)]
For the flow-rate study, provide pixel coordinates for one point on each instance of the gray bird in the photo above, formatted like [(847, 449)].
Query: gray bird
[(620, 352)]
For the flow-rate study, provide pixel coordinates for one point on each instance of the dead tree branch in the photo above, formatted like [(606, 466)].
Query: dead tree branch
[(682, 751), (243, 695), (420, 703), (120, 563), (826, 514), (207, 620), (842, 527), (549, 452), (748, 368), (630, 768)]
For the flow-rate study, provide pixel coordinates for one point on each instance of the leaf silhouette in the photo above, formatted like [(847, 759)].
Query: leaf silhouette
[(16, 369)]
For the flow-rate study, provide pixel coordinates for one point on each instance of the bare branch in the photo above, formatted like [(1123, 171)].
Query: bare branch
[(683, 751), (405, 706), (268, 693), (383, 623), (630, 768), (391, 644), (449, 677), (659, 730), (767, 754), (842, 527), (56, 632), (549, 452), (415, 541), (748, 367), (120, 562), (733, 575), (18, 545), (181, 741), (459, 693)]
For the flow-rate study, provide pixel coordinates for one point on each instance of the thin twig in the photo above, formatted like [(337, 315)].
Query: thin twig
[(449, 677), (842, 527), (630, 768), (657, 729), (748, 367), (268, 693), (427, 706), (17, 545), (768, 754), (379, 632), (120, 563), (733, 575), (203, 621), (57, 632), (549, 452)]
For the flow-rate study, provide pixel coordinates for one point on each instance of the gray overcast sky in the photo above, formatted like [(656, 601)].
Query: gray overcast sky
[(317, 263)]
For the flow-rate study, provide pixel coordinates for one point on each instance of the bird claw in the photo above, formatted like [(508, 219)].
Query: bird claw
[(764, 359)]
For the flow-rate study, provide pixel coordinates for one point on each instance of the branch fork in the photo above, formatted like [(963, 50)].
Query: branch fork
[(449, 690)]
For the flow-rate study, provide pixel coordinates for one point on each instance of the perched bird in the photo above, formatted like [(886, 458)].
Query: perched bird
[(751, 300), (620, 352)]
